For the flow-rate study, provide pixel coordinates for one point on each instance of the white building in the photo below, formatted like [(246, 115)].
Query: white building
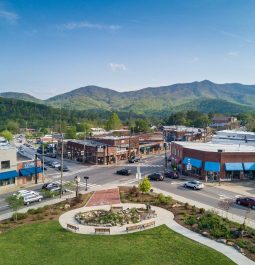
[(234, 137)]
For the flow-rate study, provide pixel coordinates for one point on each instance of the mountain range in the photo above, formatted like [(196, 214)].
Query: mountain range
[(204, 96)]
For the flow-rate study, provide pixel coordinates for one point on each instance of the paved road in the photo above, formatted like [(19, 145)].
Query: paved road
[(101, 175)]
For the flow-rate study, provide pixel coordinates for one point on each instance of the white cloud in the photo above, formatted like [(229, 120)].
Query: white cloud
[(233, 53), (88, 25), (194, 60), (117, 66), (8, 16)]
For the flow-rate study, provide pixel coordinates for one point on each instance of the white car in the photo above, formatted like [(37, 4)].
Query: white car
[(29, 198), (55, 164), (26, 192), (194, 184)]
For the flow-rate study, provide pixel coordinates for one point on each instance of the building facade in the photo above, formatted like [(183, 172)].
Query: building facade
[(214, 162)]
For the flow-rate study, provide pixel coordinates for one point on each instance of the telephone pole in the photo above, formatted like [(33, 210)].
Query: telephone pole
[(62, 164)]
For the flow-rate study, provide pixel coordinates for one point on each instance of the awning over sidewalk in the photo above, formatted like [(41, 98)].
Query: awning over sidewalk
[(29, 171), (212, 166), (194, 162), (249, 166), (9, 174), (233, 166)]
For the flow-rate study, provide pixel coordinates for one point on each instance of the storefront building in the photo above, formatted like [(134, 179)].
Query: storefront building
[(8, 167), (214, 162)]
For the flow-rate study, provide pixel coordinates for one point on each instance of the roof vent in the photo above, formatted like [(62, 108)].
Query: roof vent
[(220, 150)]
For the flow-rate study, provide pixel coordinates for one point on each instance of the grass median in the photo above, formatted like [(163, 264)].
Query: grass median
[(48, 243)]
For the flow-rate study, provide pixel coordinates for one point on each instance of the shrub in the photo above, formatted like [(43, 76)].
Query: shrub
[(19, 216), (201, 210), (164, 199), (186, 205), (215, 224), (50, 194), (190, 220), (36, 211), (193, 208), (145, 185)]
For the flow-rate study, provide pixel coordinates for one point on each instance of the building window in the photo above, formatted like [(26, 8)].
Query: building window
[(5, 164), (5, 182)]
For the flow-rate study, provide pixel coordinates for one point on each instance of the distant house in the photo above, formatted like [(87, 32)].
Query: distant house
[(224, 122)]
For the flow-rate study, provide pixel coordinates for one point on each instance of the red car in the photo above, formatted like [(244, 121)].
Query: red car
[(246, 201)]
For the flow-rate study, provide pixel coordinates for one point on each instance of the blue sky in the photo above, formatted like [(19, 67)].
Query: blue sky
[(48, 47)]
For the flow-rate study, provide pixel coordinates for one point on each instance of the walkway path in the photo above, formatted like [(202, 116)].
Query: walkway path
[(104, 197), (163, 217)]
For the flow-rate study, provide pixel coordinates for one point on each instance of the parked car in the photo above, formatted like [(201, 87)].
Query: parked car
[(65, 168), (123, 171), (194, 184), (171, 174), (246, 201), (25, 193), (53, 187), (29, 198), (55, 164), (156, 176), (134, 159)]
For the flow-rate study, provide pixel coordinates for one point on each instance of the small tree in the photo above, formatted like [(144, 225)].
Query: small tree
[(15, 203), (145, 185), (7, 135)]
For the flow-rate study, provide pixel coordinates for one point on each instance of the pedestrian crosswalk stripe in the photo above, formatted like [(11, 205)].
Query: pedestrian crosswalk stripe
[(81, 184)]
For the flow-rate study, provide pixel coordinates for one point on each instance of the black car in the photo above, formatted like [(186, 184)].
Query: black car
[(156, 176), (171, 174), (134, 159), (65, 168), (53, 187), (123, 171)]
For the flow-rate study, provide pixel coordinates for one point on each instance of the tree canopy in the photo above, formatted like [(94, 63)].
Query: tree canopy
[(114, 122)]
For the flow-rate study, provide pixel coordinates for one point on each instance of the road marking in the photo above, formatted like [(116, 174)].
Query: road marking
[(81, 184), (223, 196), (130, 181), (4, 206)]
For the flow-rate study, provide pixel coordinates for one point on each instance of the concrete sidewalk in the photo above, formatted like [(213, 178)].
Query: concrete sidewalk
[(163, 217)]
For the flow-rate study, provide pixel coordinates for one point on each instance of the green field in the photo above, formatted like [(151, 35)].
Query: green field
[(48, 243)]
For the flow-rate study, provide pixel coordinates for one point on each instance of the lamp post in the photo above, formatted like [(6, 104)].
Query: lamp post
[(62, 164), (36, 175), (77, 181), (86, 179), (165, 144)]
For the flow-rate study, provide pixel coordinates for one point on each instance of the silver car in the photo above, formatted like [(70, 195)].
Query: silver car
[(194, 184)]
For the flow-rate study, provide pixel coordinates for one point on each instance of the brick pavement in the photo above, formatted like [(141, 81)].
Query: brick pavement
[(104, 197)]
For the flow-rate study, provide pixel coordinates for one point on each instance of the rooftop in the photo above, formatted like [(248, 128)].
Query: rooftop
[(235, 132), (182, 128), (215, 147), (88, 142)]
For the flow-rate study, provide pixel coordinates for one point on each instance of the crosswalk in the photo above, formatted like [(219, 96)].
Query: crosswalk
[(227, 197), (140, 165), (81, 184)]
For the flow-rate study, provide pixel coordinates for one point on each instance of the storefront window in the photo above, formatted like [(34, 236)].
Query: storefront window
[(5, 164), (5, 182)]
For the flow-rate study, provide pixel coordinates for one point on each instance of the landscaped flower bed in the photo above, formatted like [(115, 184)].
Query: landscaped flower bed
[(114, 218), (207, 223)]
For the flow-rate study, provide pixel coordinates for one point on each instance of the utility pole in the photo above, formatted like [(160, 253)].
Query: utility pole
[(43, 159), (165, 155), (62, 164), (36, 175)]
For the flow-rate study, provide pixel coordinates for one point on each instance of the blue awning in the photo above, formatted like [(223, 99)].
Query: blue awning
[(249, 166), (233, 166), (29, 171), (212, 166), (9, 174), (194, 162)]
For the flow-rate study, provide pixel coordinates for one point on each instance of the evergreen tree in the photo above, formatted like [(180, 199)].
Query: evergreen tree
[(114, 122)]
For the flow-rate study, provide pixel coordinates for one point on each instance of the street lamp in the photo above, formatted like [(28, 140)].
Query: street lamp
[(77, 180), (86, 179)]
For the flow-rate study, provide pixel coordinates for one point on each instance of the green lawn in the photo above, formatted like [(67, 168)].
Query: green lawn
[(48, 243)]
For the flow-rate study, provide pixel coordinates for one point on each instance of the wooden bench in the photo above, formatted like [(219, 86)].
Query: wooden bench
[(102, 230), (73, 227), (152, 223), (133, 227)]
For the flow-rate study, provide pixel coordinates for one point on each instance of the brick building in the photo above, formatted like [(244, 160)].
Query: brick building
[(214, 162)]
